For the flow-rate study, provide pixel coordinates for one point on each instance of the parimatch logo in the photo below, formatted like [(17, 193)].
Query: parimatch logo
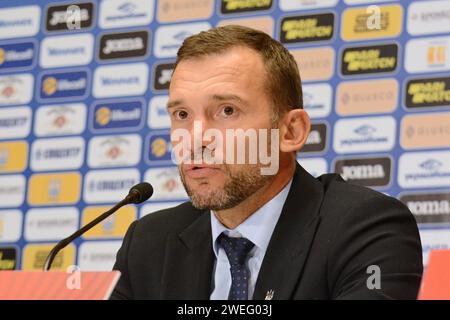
[(371, 22), (298, 29), (431, 92), (237, 6), (369, 59), (8, 258)]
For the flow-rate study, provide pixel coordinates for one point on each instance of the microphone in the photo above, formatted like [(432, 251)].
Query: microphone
[(137, 194)]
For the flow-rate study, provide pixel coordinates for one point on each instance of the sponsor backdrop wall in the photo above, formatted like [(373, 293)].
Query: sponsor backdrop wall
[(82, 110)]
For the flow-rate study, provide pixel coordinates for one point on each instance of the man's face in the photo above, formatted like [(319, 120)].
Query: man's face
[(224, 91)]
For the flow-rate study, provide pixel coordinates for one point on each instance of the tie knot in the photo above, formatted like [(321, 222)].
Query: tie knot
[(236, 249)]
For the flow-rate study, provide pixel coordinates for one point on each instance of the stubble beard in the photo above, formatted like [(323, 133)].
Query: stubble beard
[(239, 186)]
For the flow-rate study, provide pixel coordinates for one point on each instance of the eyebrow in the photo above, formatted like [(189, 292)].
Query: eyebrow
[(217, 97), (173, 104), (226, 97)]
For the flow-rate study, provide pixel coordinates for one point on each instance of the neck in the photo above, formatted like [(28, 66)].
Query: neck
[(233, 217)]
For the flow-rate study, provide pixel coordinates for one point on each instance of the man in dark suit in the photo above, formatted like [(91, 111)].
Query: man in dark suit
[(250, 233)]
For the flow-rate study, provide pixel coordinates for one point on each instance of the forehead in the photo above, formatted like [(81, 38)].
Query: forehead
[(238, 67)]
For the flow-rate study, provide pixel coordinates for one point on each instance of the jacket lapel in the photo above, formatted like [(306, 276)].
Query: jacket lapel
[(189, 261), (291, 240)]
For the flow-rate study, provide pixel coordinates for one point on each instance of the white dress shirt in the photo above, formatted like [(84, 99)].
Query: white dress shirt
[(258, 228)]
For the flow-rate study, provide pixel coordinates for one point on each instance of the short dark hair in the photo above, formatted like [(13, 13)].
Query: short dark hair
[(283, 82)]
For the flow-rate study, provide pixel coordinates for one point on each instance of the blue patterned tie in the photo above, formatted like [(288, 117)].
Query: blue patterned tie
[(237, 250)]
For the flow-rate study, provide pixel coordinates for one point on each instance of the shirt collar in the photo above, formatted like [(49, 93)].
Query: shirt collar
[(258, 228)]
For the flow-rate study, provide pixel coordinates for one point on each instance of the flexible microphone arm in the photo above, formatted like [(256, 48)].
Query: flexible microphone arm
[(138, 194), (64, 242)]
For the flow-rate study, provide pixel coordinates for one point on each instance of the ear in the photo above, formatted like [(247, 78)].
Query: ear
[(294, 130)]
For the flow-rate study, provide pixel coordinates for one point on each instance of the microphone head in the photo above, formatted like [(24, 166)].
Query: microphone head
[(140, 193)]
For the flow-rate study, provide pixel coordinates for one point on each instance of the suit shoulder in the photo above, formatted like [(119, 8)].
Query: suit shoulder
[(339, 194)]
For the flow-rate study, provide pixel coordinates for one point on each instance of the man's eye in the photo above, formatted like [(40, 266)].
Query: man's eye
[(228, 111), (181, 114)]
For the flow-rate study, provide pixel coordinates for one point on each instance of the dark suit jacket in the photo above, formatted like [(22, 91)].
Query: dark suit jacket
[(328, 234)]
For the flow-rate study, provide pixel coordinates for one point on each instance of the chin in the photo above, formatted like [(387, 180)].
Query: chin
[(205, 187), (211, 182)]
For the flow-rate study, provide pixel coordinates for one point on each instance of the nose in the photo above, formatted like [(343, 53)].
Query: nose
[(197, 131), (190, 140)]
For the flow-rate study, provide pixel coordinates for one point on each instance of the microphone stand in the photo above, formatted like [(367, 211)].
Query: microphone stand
[(64, 242)]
